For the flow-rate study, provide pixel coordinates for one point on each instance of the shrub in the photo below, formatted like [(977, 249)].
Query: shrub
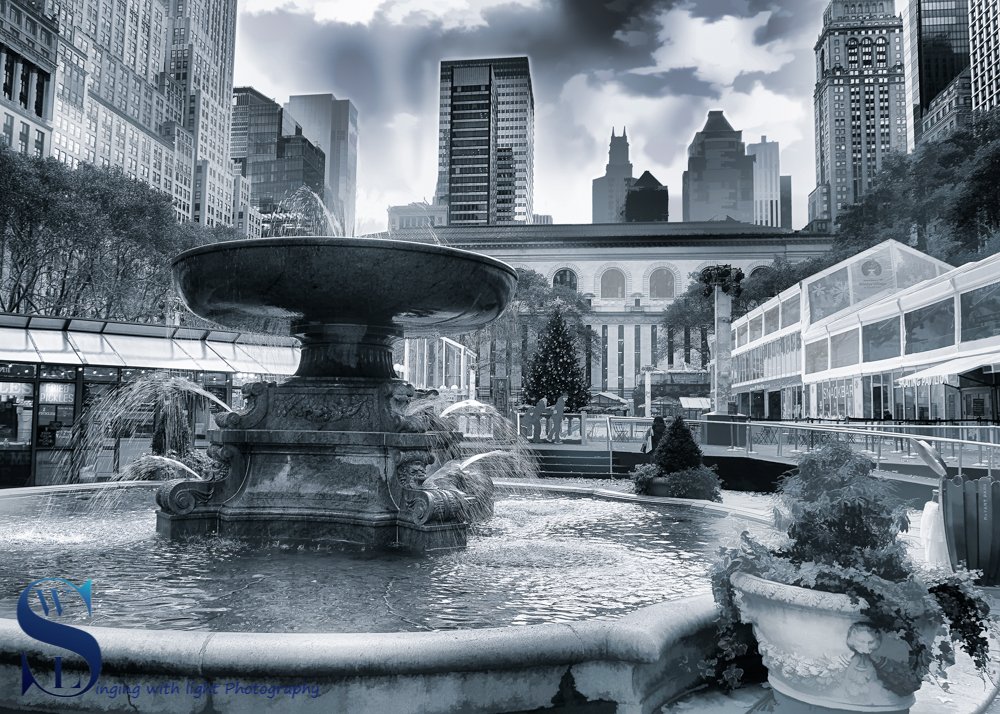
[(642, 475), (699, 482), (677, 449), (842, 529)]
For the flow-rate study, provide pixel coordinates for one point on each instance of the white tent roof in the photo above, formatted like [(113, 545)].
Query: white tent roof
[(940, 373)]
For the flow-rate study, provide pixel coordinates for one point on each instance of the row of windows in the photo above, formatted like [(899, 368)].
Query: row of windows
[(661, 283)]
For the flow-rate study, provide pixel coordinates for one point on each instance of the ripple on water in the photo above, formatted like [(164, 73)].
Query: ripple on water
[(543, 558)]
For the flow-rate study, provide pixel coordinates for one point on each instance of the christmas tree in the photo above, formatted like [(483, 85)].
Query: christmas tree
[(555, 370), (677, 449)]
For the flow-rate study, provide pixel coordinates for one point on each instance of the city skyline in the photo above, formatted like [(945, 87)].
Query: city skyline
[(650, 66)]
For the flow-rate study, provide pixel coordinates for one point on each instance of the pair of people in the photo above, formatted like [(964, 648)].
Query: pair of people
[(652, 436)]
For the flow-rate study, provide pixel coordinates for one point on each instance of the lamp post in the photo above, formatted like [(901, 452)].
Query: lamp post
[(724, 282)]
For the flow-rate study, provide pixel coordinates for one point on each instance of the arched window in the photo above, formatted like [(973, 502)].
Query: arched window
[(613, 284), (881, 52), (866, 52), (661, 284), (760, 271), (852, 53), (564, 278)]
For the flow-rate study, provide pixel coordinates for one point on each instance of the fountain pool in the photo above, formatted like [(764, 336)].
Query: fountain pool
[(542, 558)]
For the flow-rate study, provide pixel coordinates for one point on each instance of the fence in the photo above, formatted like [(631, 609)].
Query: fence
[(784, 439)]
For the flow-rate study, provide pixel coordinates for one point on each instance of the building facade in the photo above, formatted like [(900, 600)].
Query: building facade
[(718, 183), (646, 201), (767, 204), (271, 151), (29, 40), (146, 87), (52, 369), (859, 101), (486, 159), (419, 214), (935, 51), (246, 218), (984, 53), (835, 344), (949, 110), (628, 273), (332, 125), (608, 192), (786, 202)]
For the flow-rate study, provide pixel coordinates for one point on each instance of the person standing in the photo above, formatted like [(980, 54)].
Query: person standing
[(653, 435)]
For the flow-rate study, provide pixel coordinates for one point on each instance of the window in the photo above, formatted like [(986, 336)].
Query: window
[(613, 284), (931, 327), (661, 284), (564, 278)]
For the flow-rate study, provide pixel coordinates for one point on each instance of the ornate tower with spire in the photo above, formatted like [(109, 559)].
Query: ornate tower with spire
[(611, 188)]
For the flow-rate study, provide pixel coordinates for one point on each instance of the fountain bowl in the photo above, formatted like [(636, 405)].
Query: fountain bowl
[(416, 287)]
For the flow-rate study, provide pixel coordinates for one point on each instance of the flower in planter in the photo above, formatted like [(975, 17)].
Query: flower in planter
[(843, 562)]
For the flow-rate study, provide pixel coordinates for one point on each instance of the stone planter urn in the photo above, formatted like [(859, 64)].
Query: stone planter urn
[(819, 650)]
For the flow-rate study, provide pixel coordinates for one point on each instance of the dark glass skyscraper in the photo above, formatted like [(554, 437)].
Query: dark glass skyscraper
[(486, 139), (935, 51), (268, 145)]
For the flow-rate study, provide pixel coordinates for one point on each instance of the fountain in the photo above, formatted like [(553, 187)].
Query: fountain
[(333, 454)]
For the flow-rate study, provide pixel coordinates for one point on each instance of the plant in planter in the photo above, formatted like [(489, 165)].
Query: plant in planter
[(677, 470), (840, 615)]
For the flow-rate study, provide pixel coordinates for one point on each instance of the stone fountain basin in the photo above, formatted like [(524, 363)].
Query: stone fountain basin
[(631, 664), (415, 287)]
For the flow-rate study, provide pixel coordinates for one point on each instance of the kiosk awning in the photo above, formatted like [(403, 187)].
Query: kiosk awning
[(696, 403), (947, 372)]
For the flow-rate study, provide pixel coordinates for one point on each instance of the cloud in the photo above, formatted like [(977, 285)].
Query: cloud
[(653, 65), (718, 50)]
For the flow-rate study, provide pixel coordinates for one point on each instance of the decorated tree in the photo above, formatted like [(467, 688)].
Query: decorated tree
[(555, 369)]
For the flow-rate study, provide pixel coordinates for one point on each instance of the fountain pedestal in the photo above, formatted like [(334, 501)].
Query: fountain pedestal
[(336, 454)]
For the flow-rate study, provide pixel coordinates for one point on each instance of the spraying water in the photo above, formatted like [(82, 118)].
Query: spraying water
[(302, 213)]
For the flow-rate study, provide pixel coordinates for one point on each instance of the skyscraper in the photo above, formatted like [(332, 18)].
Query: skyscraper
[(202, 49), (935, 51), (146, 86), (608, 198), (646, 201), (269, 147), (859, 102), (984, 50), (766, 182), (786, 202), (28, 50), (332, 124), (718, 183), (486, 158)]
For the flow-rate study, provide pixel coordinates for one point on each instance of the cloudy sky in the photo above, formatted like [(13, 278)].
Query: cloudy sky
[(655, 66)]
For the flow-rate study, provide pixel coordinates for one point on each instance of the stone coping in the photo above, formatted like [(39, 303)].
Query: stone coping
[(641, 637), (711, 507)]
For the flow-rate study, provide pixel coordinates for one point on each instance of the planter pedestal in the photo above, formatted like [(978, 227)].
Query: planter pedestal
[(820, 654), (777, 703)]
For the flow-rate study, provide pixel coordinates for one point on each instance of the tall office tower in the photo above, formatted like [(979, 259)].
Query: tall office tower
[(29, 39), (766, 182), (786, 202), (935, 51), (608, 203), (646, 201), (984, 51), (145, 86), (718, 183), (859, 101), (202, 47), (332, 124), (269, 147), (486, 138)]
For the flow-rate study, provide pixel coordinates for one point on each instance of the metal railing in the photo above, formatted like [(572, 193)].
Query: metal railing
[(574, 427), (788, 440)]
